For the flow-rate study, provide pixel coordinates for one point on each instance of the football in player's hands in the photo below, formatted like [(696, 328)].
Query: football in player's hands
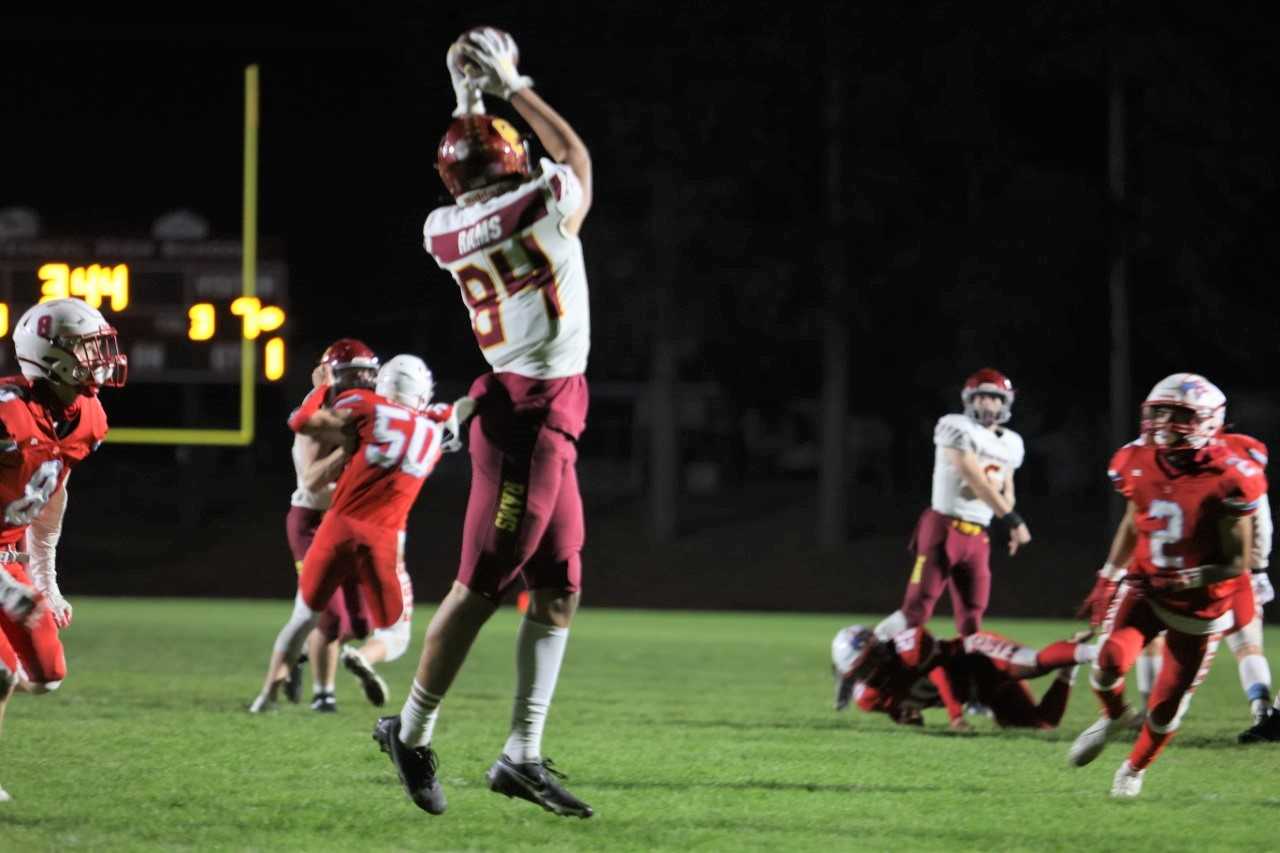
[(463, 64)]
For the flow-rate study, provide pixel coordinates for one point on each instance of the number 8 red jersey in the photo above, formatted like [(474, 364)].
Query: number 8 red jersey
[(34, 459), (397, 449)]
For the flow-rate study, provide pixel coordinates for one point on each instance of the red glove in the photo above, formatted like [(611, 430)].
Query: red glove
[(1099, 599)]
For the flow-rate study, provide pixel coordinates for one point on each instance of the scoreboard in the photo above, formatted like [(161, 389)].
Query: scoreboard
[(183, 313)]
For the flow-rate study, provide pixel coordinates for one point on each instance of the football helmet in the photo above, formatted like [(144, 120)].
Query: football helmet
[(851, 649), (478, 151), (351, 362), (407, 380), (69, 342), (988, 381), (1195, 411)]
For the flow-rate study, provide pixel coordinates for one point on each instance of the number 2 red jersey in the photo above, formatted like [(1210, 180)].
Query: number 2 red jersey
[(1178, 511), (34, 458), (397, 449)]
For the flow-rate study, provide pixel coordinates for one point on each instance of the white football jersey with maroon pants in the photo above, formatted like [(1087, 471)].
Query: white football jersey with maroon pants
[(524, 283)]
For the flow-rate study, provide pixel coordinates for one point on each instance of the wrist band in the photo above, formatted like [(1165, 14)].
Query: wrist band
[(1111, 573), (1012, 518)]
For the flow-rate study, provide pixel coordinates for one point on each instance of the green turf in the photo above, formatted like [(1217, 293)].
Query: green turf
[(683, 730)]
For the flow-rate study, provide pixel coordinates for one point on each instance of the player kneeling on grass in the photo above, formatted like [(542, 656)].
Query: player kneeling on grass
[(914, 670), (50, 421), (392, 443)]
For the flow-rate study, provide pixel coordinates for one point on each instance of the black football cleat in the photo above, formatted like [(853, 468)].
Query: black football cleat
[(292, 684), (325, 703), (1266, 731), (375, 688), (415, 765), (536, 782)]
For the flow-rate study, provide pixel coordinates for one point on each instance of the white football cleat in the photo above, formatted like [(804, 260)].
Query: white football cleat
[(1127, 782), (1091, 741), (4, 796)]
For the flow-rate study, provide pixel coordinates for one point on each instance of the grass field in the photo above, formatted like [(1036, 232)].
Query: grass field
[(684, 731)]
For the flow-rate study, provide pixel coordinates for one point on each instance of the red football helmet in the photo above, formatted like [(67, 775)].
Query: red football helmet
[(478, 151), (352, 363), (988, 381)]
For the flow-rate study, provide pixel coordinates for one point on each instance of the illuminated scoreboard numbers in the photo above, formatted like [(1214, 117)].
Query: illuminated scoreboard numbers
[(178, 320), (92, 283)]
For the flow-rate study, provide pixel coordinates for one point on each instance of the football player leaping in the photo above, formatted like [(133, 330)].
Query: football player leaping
[(972, 481), (1185, 538), (50, 421), (511, 244)]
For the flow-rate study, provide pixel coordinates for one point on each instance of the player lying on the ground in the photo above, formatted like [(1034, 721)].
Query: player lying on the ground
[(392, 444), (1186, 539), (914, 670), (50, 421)]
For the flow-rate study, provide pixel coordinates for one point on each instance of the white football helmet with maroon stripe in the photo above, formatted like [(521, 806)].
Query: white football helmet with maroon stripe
[(69, 342)]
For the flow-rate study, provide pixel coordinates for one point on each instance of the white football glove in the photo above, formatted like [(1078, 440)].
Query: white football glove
[(1263, 592), (465, 89), (496, 54), (58, 606), (17, 600), (463, 409)]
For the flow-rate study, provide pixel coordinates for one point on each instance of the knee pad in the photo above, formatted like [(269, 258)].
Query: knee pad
[(395, 639), (1249, 635)]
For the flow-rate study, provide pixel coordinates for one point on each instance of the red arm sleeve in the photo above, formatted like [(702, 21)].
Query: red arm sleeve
[(310, 405), (1118, 471), (1248, 487), (938, 675)]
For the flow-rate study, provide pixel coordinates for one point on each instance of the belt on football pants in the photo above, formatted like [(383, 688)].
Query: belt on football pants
[(968, 528), (7, 555), (1192, 578)]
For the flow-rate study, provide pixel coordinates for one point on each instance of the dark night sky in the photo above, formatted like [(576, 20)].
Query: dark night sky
[(974, 175)]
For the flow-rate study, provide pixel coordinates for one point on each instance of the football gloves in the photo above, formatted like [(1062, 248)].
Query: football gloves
[(496, 54), (465, 89)]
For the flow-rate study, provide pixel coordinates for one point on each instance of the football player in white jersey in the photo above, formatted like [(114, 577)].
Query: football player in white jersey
[(511, 245), (973, 468)]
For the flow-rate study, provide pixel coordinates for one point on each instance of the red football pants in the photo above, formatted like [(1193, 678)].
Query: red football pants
[(344, 615), (38, 649), (346, 549)]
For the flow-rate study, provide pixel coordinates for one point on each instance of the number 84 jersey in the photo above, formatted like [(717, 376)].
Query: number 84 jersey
[(1178, 513), (36, 454), (520, 273)]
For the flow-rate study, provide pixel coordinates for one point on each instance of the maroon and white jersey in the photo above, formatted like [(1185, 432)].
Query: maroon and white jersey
[(1000, 452), (521, 274)]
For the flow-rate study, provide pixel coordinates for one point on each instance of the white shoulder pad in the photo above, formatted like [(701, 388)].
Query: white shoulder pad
[(1016, 445), (955, 431)]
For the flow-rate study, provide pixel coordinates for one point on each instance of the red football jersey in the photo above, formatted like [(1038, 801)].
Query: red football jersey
[(908, 674), (397, 449), (1177, 512), (34, 459)]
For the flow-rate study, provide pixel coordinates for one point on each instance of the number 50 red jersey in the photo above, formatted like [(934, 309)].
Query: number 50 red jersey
[(1178, 513), (397, 449)]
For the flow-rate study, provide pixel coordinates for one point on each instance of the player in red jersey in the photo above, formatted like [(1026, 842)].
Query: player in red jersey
[(914, 670), (392, 444), (1244, 638), (511, 244), (1186, 538), (346, 363), (50, 420)]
